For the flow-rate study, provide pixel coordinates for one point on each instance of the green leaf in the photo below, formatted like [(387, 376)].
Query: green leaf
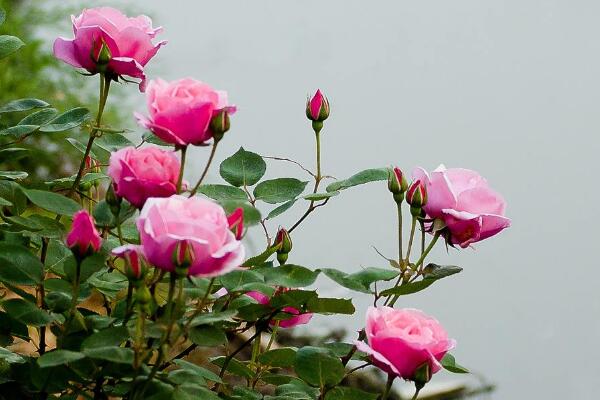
[(13, 175), (408, 288), (222, 193), (91, 265), (26, 312), (235, 279), (200, 371), (207, 336), (111, 142), (289, 275), (19, 131), (59, 357), (120, 355), (282, 357), (67, 120), (330, 306), (261, 258), (320, 196), (13, 153), (19, 266), (234, 367), (52, 202), (318, 366), (435, 271), (39, 117), (295, 390), (243, 168), (251, 214), (349, 393), (212, 317), (9, 44), (10, 357), (23, 105), (110, 337), (2, 15), (12, 191), (279, 190), (449, 363), (281, 209), (366, 176)]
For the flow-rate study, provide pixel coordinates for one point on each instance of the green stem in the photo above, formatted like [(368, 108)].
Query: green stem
[(422, 224), (410, 240), (416, 394), (400, 257), (318, 178), (128, 304), (104, 88), (206, 168), (76, 288), (181, 169), (388, 387)]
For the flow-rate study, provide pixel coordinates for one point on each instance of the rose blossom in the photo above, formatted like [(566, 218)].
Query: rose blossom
[(83, 239), (164, 223), (460, 197), (127, 43), (181, 111), (297, 319), (401, 341), (139, 174)]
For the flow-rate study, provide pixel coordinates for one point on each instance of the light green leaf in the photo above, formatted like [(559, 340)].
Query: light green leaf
[(40, 117), (52, 202), (243, 168), (279, 190), (23, 105), (281, 209), (366, 176), (449, 363), (67, 120), (13, 175), (9, 44), (223, 192)]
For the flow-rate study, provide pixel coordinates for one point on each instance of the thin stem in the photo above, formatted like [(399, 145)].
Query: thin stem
[(76, 288), (361, 336), (181, 169), (388, 387), (128, 304), (318, 177), (422, 224), (416, 394), (213, 151), (412, 236), (104, 88), (42, 294), (400, 244)]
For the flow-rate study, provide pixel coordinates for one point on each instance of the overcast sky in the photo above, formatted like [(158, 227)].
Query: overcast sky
[(508, 88)]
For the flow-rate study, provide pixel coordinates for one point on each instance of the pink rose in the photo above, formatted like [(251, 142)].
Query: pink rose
[(317, 107), (164, 223), (83, 239), (401, 341), (126, 42), (460, 197), (298, 319), (181, 111), (139, 174)]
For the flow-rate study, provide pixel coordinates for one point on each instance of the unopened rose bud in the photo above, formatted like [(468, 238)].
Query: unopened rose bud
[(113, 200), (422, 375), (183, 257), (317, 109), (219, 124), (101, 55), (397, 183), (236, 222), (135, 267), (416, 196), (83, 239), (143, 295), (284, 243)]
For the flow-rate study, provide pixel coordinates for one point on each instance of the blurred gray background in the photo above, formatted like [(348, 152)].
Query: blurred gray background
[(508, 88)]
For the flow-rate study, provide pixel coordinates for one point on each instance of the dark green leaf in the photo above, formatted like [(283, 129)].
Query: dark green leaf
[(9, 44), (222, 193), (289, 275), (281, 209), (111, 142), (212, 317), (234, 279), (435, 271), (23, 105), (366, 176), (282, 357), (251, 215), (330, 306), (10, 357), (318, 366), (67, 120), (13, 175), (243, 168), (106, 338), (52, 202), (449, 363), (2, 16), (279, 190), (119, 355), (19, 266), (408, 288), (200, 371), (12, 192), (234, 367), (320, 196), (261, 258), (19, 131), (207, 336), (59, 357), (40, 117), (349, 393), (26, 312)]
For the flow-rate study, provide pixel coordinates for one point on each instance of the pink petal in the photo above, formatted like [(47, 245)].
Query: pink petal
[(481, 200)]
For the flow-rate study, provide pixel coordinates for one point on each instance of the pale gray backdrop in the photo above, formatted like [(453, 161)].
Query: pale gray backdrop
[(508, 88)]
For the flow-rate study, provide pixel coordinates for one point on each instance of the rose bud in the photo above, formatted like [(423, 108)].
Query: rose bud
[(284, 243), (416, 196), (139, 174), (296, 319), (236, 222), (219, 125), (464, 202), (397, 183), (113, 201), (201, 223), (180, 112), (83, 239), (109, 42), (317, 107), (183, 257), (135, 268), (401, 341)]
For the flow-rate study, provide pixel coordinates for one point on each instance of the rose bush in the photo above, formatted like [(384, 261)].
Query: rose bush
[(115, 276)]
